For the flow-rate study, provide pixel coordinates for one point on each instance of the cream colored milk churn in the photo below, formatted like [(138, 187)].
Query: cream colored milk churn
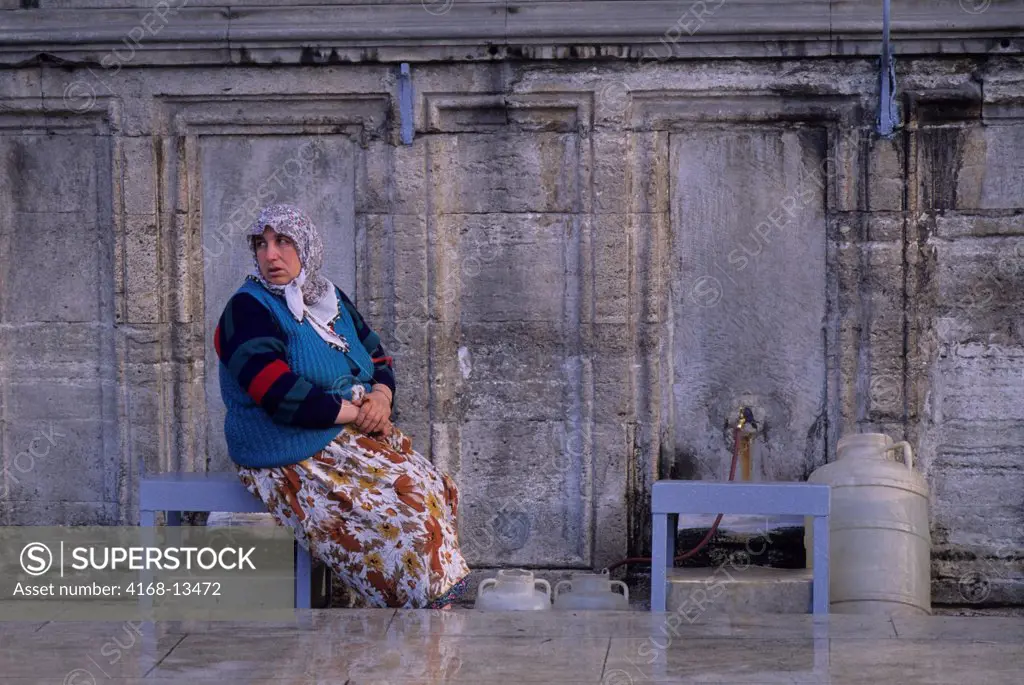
[(880, 540)]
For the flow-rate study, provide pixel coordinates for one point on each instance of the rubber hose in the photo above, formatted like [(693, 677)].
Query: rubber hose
[(714, 527)]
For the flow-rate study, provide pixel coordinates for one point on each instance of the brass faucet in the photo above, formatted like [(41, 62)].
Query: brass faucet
[(746, 419)]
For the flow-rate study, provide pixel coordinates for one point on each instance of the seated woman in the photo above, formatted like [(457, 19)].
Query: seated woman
[(309, 391)]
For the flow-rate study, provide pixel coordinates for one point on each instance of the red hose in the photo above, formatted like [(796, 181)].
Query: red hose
[(714, 526)]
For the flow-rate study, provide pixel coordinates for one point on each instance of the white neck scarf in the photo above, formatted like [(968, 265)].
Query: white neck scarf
[(320, 314)]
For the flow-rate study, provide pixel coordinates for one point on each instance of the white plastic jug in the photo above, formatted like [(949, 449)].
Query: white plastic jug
[(591, 591), (513, 590), (880, 539)]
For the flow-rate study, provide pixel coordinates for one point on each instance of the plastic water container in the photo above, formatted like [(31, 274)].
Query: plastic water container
[(513, 590), (591, 591), (880, 547)]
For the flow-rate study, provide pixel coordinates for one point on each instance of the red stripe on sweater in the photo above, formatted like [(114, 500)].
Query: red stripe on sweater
[(386, 360), (265, 378), (216, 340)]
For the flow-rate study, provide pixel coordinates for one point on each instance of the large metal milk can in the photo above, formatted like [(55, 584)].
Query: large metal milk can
[(880, 546)]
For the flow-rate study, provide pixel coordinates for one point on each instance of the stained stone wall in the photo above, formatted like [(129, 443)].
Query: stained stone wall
[(583, 263)]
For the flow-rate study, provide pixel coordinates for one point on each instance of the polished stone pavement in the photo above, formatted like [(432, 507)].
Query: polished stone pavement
[(384, 646)]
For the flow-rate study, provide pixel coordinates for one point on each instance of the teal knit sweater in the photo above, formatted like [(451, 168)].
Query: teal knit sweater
[(281, 383)]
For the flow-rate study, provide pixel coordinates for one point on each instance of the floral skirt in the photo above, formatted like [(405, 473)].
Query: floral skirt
[(377, 513)]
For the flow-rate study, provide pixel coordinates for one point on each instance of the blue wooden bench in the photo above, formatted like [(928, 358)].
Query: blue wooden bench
[(174, 493), (670, 498)]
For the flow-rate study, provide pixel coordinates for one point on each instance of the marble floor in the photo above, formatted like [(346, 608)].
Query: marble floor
[(383, 646)]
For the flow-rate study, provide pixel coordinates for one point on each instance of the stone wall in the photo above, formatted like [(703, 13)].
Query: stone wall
[(583, 266)]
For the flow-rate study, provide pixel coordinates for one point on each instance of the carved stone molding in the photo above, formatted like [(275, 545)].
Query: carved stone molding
[(132, 33), (255, 114), (564, 112), (53, 115), (679, 111)]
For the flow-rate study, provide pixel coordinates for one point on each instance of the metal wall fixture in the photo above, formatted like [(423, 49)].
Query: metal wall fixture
[(405, 104), (888, 111)]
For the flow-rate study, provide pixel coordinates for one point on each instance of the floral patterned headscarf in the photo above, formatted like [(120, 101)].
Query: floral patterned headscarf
[(309, 287)]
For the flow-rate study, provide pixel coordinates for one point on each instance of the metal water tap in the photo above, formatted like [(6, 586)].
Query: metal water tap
[(746, 428), (746, 420)]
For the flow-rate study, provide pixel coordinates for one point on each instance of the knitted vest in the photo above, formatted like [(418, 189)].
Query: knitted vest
[(254, 438)]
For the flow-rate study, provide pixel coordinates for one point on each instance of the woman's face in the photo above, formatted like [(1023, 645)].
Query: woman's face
[(277, 257)]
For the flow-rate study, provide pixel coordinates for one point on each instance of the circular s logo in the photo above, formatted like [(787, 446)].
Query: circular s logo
[(615, 97), (80, 676), (437, 7), (974, 587), (36, 558), (79, 96), (617, 677), (706, 292), (975, 6)]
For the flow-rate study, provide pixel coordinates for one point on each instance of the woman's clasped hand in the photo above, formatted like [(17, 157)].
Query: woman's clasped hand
[(370, 413)]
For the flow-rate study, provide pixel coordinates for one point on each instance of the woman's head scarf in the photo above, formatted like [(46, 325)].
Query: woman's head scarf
[(309, 287), (309, 295)]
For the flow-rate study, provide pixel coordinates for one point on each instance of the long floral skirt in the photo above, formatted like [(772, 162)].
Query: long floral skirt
[(377, 513)]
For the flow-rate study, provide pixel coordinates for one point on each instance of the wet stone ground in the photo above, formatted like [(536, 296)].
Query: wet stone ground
[(395, 647)]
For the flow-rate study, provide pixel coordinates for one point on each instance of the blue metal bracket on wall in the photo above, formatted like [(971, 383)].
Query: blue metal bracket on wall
[(888, 111), (405, 108)]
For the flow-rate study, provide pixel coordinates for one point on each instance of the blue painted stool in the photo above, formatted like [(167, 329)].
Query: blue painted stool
[(177, 492), (673, 497)]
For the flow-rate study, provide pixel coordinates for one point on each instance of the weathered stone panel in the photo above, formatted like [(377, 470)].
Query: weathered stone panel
[(490, 259), (749, 298), (58, 374), (527, 511), (507, 254), (476, 174), (972, 167)]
